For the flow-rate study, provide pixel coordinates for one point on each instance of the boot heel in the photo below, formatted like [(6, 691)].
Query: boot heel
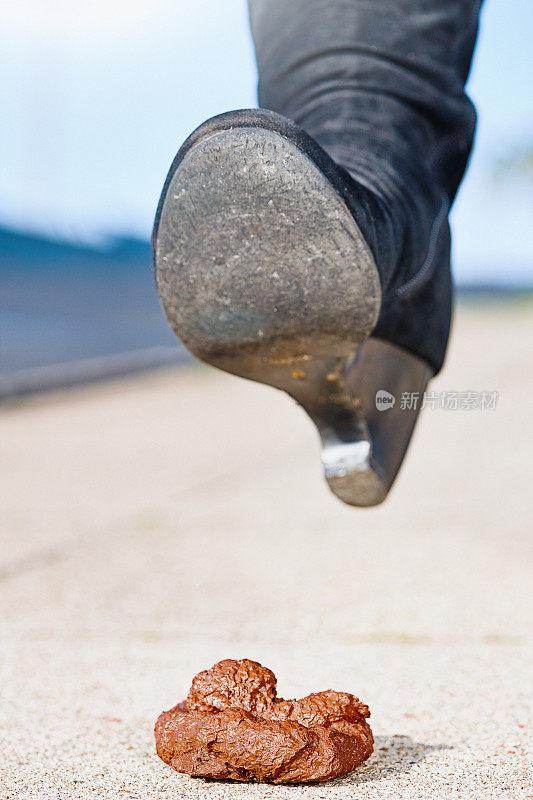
[(356, 406), (363, 446)]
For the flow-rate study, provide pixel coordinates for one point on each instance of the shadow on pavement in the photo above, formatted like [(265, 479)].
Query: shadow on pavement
[(392, 755)]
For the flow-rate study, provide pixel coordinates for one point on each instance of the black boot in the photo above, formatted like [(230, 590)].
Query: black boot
[(326, 278)]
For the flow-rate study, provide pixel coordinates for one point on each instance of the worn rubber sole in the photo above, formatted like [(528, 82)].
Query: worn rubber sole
[(255, 249), (263, 272)]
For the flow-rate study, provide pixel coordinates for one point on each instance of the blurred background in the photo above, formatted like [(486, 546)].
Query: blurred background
[(96, 100)]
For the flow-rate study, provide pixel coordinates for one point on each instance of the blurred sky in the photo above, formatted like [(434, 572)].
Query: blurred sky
[(97, 97)]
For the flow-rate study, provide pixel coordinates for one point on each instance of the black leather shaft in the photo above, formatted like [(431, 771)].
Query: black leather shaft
[(379, 84)]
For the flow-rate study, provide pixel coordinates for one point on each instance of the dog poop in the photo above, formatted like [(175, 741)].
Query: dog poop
[(232, 726)]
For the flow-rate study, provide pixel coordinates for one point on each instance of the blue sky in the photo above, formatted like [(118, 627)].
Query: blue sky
[(96, 99)]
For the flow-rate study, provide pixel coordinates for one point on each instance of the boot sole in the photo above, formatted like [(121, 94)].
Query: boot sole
[(263, 272)]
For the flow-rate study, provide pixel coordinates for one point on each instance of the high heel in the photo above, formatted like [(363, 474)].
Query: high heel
[(263, 272)]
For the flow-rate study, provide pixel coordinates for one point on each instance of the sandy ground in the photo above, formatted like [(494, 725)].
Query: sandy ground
[(154, 525)]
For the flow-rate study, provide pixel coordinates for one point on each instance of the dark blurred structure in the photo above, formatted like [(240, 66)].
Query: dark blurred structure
[(70, 313)]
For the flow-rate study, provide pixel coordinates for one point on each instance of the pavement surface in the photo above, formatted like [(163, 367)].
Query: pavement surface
[(154, 525)]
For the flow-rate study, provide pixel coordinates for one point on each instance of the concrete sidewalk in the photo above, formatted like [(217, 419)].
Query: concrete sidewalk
[(154, 525)]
